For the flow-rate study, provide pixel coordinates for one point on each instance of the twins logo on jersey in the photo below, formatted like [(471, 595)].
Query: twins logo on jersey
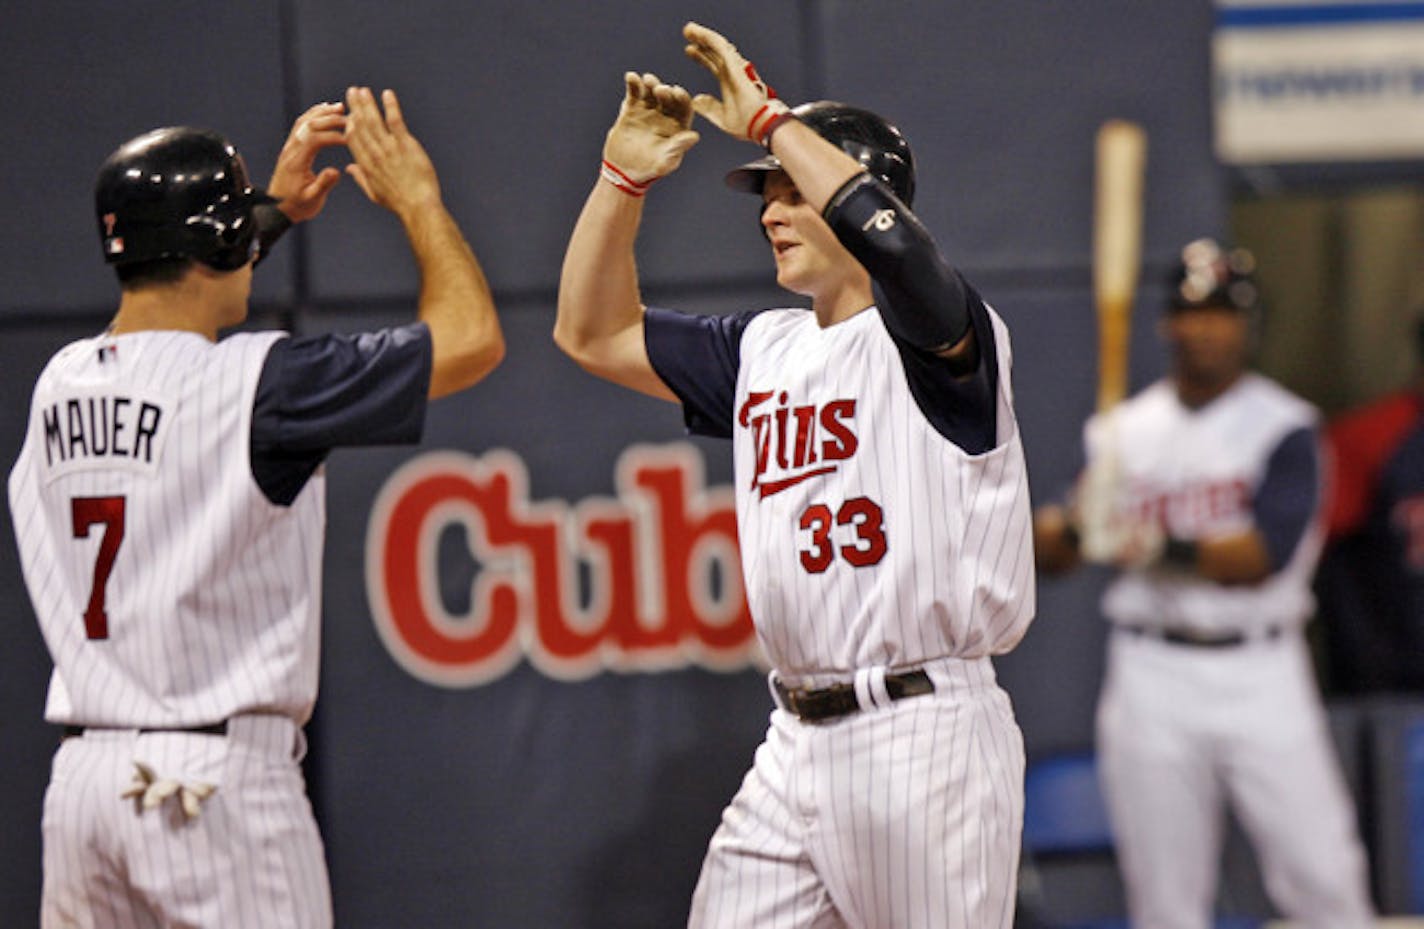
[(796, 443), (1192, 509)]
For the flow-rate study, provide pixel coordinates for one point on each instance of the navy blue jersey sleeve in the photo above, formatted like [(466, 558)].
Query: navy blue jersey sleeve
[(317, 393), (1289, 494), (698, 358), (962, 407)]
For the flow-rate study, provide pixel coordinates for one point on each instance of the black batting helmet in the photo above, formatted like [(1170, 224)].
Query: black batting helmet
[(177, 192), (861, 134), (1210, 276)]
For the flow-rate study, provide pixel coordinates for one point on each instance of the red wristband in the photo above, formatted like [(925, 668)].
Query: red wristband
[(776, 123), (615, 176), (764, 120)]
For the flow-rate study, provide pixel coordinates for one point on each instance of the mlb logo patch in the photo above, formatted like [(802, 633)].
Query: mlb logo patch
[(113, 244)]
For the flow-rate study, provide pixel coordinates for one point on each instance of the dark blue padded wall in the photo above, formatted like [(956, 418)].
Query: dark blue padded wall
[(526, 801), (513, 101), (80, 78), (535, 801), (1002, 104)]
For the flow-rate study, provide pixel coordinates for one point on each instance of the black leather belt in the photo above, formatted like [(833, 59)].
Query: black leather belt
[(1185, 635), (840, 700), (71, 731)]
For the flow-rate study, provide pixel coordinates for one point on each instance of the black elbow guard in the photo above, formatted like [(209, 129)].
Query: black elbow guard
[(926, 301), (873, 224)]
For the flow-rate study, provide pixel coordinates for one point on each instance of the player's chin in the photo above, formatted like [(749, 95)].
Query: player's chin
[(1214, 359), (789, 272), (788, 281)]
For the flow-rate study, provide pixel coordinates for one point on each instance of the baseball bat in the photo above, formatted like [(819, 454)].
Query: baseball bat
[(1121, 159), (1117, 249)]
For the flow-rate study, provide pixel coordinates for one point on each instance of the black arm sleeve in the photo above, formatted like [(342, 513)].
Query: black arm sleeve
[(317, 393), (926, 302), (963, 407)]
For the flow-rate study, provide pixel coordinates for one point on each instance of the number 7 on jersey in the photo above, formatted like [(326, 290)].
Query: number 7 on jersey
[(92, 511)]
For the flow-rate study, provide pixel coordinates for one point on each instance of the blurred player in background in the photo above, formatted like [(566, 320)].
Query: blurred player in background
[(1214, 523), (882, 510), (1371, 579), (169, 509)]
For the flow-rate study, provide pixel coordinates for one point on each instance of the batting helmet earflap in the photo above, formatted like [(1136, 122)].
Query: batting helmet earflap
[(177, 192), (1209, 275), (863, 135)]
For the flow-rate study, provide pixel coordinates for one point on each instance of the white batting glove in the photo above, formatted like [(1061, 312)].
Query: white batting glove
[(1094, 514), (1109, 536), (650, 136), (1140, 545), (150, 791), (1121, 543), (748, 109)]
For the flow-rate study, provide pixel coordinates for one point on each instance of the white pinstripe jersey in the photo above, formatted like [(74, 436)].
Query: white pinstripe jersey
[(1198, 471), (867, 537), (169, 590)]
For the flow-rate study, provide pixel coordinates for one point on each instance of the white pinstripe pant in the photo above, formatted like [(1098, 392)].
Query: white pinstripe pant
[(1183, 732), (908, 816), (252, 858)]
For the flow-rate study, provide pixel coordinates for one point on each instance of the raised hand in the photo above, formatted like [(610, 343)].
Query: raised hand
[(391, 165), (302, 190), (748, 108), (651, 134)]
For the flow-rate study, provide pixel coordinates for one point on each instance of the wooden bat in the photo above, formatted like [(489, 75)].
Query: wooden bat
[(1121, 160), (1117, 249)]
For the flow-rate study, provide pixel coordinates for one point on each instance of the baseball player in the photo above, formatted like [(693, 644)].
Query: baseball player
[(1371, 577), (882, 509), (168, 504), (1209, 699)]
